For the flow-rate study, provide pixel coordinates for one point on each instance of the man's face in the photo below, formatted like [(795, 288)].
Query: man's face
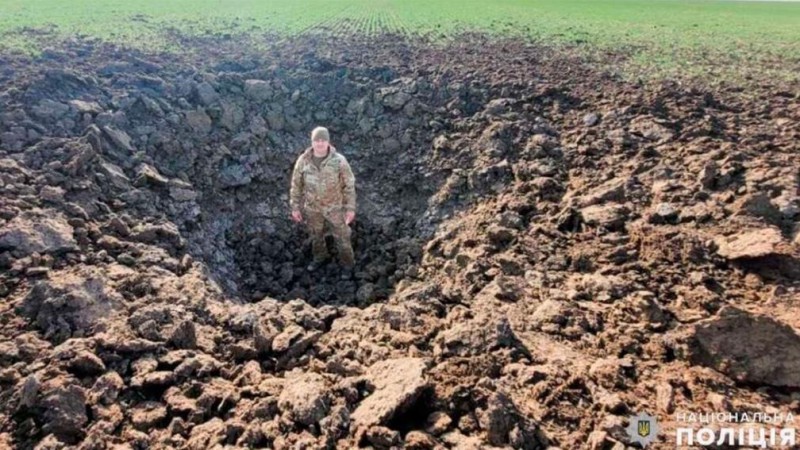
[(320, 145)]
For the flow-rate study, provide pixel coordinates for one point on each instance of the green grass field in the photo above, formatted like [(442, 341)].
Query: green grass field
[(662, 35)]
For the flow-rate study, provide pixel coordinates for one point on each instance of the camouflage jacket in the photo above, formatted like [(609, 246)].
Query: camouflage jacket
[(331, 186)]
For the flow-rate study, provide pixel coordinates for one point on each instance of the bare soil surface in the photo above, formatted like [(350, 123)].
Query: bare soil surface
[(543, 250)]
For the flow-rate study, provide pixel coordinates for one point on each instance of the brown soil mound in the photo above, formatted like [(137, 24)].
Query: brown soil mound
[(542, 250)]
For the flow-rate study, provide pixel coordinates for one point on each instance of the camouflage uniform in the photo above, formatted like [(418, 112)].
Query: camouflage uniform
[(324, 195)]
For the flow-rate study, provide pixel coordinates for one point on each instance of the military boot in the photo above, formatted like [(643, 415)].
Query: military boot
[(318, 262)]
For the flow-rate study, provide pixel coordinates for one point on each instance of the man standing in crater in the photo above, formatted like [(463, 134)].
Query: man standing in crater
[(323, 192)]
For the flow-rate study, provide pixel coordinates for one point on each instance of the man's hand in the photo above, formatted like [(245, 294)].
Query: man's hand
[(349, 217), (296, 216)]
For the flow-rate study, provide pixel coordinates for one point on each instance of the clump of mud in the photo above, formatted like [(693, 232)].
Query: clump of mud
[(542, 249)]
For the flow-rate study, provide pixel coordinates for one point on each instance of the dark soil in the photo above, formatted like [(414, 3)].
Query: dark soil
[(543, 250)]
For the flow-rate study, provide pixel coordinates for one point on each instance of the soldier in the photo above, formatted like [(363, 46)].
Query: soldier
[(323, 188)]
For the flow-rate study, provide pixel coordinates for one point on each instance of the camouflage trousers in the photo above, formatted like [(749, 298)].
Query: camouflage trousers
[(334, 220)]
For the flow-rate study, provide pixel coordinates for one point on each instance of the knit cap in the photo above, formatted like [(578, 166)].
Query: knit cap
[(320, 133)]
